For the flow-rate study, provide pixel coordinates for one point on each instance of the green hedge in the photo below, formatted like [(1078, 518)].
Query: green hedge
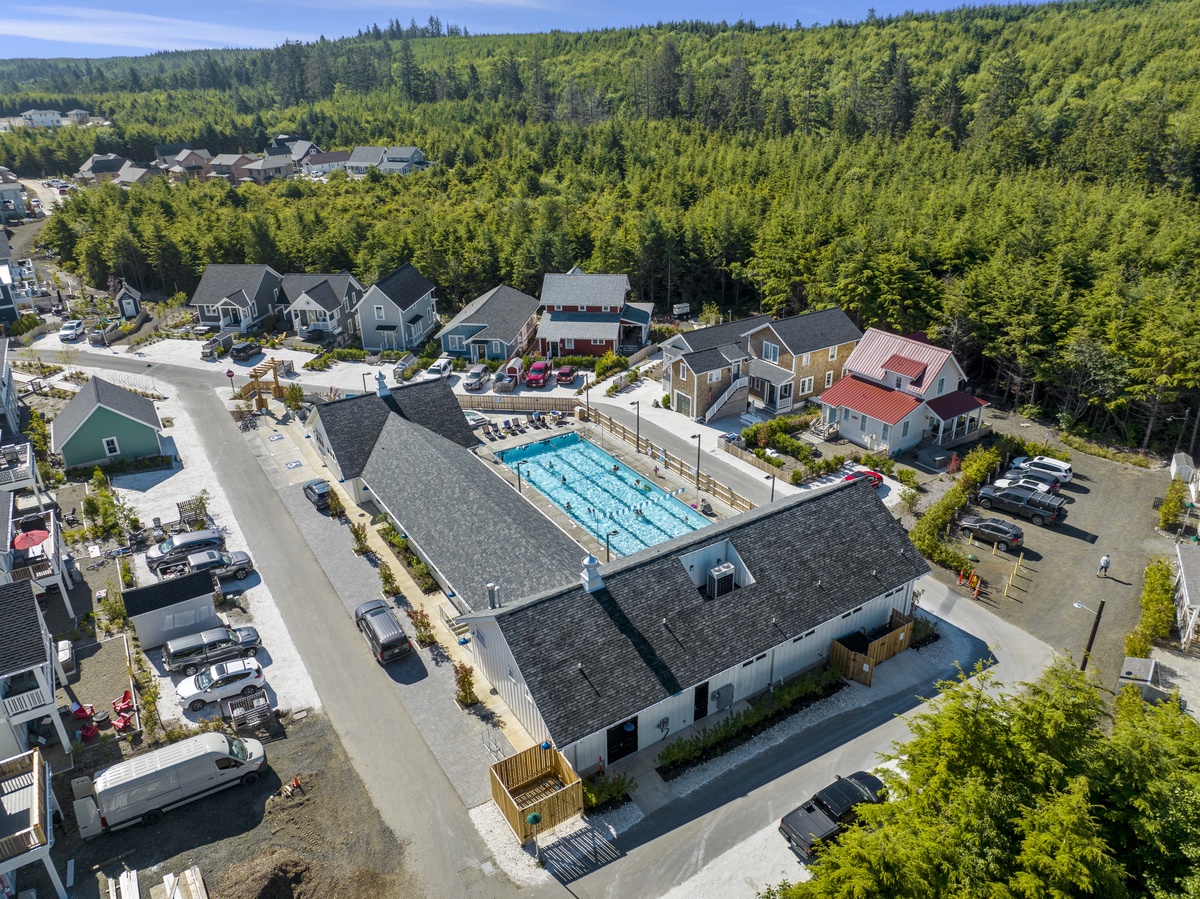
[(1171, 509), (732, 730), (1016, 445), (610, 363), (603, 791)]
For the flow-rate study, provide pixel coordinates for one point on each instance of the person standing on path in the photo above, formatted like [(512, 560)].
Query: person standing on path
[(1104, 560)]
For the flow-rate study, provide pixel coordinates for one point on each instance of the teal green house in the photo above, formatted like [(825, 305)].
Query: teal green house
[(105, 423)]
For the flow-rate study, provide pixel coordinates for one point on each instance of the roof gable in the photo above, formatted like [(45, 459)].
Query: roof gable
[(404, 286), (815, 331), (870, 399), (716, 335), (221, 281), (878, 347), (631, 660), (502, 312)]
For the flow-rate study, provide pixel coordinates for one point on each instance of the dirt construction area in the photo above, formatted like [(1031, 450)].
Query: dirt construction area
[(324, 840)]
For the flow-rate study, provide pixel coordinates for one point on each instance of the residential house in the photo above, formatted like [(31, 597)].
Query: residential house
[(28, 668), (31, 814), (389, 160), (590, 315), (105, 423), (322, 305), (898, 391), (795, 358), (231, 166), (1187, 593), (101, 167), (164, 154), (398, 312), (10, 410), (324, 163), (346, 431), (269, 167), (705, 371), (175, 607), (33, 548), (78, 116), (496, 325), (189, 165), (655, 642), (237, 297), (131, 173), (42, 118), (129, 301)]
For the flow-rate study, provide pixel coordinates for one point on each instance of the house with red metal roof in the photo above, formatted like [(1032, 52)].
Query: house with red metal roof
[(899, 391)]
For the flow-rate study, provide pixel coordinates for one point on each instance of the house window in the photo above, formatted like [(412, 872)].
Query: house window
[(885, 431), (209, 311), (569, 343), (599, 342), (770, 352), (828, 379), (845, 415), (904, 430), (110, 447), (714, 377), (607, 308), (941, 385), (378, 313), (899, 382), (497, 347), (456, 343), (862, 423), (806, 387), (832, 353), (804, 360), (785, 391), (682, 370)]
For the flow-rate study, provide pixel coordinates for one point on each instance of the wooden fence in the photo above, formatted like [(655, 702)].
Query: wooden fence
[(536, 780), (738, 453), (519, 402), (856, 655)]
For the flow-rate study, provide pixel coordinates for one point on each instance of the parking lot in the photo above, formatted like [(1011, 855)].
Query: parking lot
[(1109, 510)]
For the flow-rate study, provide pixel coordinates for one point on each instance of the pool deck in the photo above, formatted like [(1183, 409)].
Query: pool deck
[(614, 446)]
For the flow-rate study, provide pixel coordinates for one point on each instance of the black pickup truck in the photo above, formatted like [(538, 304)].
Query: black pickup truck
[(823, 816), (1039, 507)]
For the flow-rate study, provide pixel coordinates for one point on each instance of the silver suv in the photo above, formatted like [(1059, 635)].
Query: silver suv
[(187, 655)]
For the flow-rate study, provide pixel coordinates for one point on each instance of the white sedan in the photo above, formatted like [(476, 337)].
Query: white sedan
[(1028, 483)]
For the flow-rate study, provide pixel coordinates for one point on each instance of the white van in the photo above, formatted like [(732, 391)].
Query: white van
[(145, 786)]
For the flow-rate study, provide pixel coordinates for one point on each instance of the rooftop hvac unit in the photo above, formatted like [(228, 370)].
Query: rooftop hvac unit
[(720, 580)]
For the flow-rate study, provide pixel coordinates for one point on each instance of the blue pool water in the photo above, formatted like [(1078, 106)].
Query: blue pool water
[(570, 470)]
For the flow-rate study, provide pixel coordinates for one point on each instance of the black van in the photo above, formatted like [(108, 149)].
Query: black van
[(382, 631)]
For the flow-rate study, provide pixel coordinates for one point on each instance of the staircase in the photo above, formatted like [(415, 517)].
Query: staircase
[(825, 430), (731, 401)]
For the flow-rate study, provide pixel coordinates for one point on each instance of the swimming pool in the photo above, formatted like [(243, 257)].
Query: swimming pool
[(601, 494)]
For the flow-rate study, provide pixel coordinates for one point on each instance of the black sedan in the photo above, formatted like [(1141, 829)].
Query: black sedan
[(1004, 534)]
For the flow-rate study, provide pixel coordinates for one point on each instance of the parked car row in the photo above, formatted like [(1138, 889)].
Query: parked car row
[(1029, 489)]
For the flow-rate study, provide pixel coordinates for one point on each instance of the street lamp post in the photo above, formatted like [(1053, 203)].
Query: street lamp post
[(1087, 650), (637, 440), (607, 552), (696, 437), (772, 477), (518, 467), (587, 395)]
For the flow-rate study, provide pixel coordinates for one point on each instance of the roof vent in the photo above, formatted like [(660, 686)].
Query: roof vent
[(590, 577), (381, 387), (720, 580)]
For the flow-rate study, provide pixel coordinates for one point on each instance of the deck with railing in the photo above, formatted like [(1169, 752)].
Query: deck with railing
[(23, 805)]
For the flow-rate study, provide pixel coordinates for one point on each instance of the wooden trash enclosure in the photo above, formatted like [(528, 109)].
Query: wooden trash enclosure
[(856, 654), (536, 780)]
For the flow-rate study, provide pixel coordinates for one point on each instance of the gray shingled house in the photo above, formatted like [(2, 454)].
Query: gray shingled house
[(398, 312), (638, 649), (497, 325), (322, 305), (237, 297)]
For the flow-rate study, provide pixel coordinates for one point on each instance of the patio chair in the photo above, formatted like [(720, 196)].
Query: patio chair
[(124, 704), (89, 732), (82, 712), (123, 722)]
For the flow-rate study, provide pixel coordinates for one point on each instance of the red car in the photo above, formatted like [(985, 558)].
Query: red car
[(539, 374), (566, 375), (874, 477)]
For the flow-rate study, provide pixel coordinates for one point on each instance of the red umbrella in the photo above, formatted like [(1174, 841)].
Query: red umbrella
[(30, 539)]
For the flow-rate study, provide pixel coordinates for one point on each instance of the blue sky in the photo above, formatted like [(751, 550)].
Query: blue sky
[(87, 28)]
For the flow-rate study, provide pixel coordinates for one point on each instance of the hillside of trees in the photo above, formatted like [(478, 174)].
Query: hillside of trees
[(1020, 183)]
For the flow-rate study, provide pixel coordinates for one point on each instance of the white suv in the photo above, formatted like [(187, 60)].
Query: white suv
[(242, 677), (1045, 465), (71, 330)]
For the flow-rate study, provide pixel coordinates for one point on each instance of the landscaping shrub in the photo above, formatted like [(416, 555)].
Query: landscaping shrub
[(606, 791), (1158, 599), (1104, 452), (359, 532), (126, 573), (1016, 445), (1171, 509), (928, 534), (387, 580), (773, 461), (908, 478), (1138, 643), (909, 498), (464, 682), (609, 363), (423, 626), (336, 507), (666, 401), (977, 465)]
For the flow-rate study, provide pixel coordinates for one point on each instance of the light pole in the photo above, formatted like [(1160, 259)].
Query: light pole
[(696, 437), (1183, 427), (518, 468), (587, 395), (772, 477), (637, 440), (1087, 650), (229, 375), (607, 552)]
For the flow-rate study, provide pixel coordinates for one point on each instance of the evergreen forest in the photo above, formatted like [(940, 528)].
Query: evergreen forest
[(1020, 183)]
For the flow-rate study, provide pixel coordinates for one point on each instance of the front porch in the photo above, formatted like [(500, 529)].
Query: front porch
[(954, 419), (315, 324), (772, 389), (27, 816)]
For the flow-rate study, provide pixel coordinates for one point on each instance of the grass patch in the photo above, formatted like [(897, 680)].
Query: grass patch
[(1105, 452)]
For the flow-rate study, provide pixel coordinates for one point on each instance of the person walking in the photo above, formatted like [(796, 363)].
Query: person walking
[(1104, 561)]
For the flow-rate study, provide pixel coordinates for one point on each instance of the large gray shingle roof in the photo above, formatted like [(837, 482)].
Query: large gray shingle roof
[(21, 643), (473, 525), (326, 291), (579, 326), (716, 335), (580, 289), (816, 330), (220, 281), (95, 393), (164, 594), (353, 425), (405, 285), (501, 313), (844, 539)]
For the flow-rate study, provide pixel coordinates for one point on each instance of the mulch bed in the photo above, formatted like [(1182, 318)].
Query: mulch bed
[(746, 735)]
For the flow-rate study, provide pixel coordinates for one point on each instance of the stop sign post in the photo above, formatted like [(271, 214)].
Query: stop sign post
[(229, 375)]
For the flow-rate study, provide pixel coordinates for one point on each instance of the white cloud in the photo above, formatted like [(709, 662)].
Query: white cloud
[(111, 28)]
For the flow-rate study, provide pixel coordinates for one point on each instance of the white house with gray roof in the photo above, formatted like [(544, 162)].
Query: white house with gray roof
[(590, 315), (237, 297), (636, 650), (388, 160), (497, 325), (398, 312), (322, 305)]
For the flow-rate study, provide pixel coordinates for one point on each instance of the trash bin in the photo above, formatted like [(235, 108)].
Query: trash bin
[(581, 413)]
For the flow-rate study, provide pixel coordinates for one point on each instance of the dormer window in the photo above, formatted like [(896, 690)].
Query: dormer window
[(899, 382)]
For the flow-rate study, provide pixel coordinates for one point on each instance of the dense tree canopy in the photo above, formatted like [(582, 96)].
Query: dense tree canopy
[(1028, 795), (1020, 183)]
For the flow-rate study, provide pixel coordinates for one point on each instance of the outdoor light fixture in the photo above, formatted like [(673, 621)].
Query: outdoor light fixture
[(607, 553), (637, 440), (1087, 650)]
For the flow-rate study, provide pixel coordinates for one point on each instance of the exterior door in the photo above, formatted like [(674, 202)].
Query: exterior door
[(622, 740), (700, 702), (553, 347), (683, 404)]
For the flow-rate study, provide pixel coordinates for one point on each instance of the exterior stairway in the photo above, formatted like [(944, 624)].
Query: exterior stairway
[(731, 402)]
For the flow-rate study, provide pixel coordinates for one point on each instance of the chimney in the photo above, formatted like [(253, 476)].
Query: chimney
[(381, 384), (590, 578)]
